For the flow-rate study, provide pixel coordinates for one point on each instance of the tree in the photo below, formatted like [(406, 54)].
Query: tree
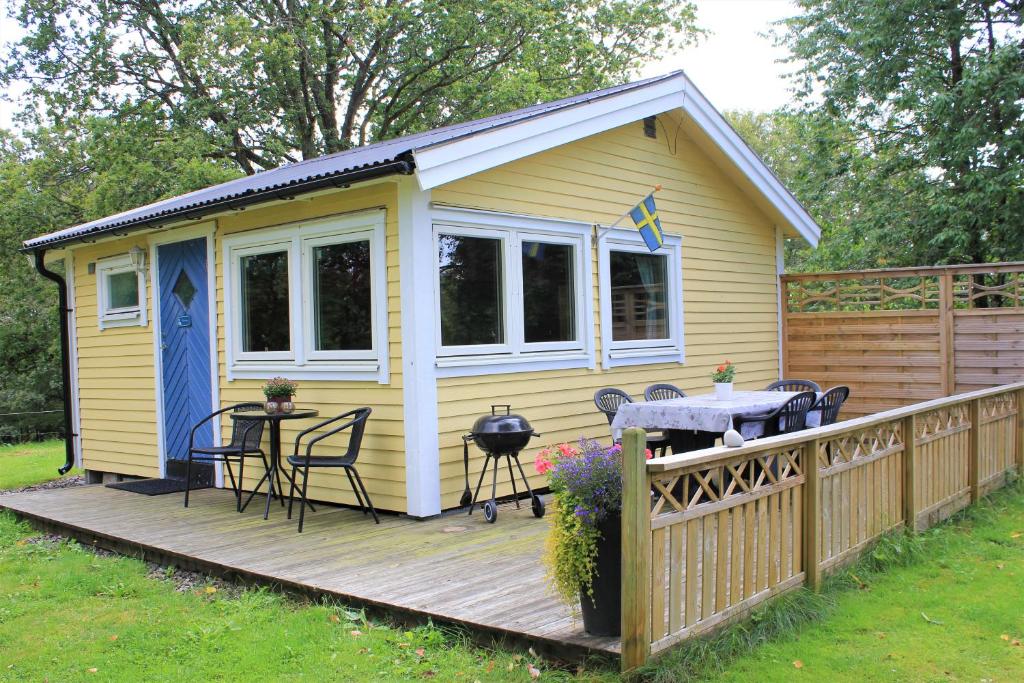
[(272, 81), (866, 202), (64, 175), (933, 87)]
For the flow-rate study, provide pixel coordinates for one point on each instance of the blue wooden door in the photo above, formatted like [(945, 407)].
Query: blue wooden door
[(185, 344)]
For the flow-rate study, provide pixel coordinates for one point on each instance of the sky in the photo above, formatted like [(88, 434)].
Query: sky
[(734, 66)]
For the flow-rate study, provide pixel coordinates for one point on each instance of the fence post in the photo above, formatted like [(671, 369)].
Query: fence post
[(636, 550), (812, 515), (909, 479), (947, 359), (1019, 440), (974, 450)]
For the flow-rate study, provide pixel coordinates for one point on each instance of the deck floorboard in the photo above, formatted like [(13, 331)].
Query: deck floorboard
[(454, 568)]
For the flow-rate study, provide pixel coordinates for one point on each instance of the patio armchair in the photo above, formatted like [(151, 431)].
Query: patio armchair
[(608, 401), (791, 416), (830, 403), (355, 422), (245, 443), (663, 392), (794, 385)]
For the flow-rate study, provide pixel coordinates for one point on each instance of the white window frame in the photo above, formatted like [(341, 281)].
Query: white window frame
[(517, 355), (302, 361), (642, 351), (125, 316)]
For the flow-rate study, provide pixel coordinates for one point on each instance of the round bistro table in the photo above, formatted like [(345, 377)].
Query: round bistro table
[(273, 420)]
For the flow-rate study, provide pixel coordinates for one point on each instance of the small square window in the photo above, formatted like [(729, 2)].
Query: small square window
[(121, 293)]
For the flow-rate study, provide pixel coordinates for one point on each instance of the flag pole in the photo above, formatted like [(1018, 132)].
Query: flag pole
[(604, 231)]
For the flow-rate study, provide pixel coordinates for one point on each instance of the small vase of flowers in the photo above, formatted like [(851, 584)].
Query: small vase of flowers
[(584, 547), (279, 392), (723, 377)]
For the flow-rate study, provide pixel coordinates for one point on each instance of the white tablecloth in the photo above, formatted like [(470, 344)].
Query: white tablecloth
[(703, 412)]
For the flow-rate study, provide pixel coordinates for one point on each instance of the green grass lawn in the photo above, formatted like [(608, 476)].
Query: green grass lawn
[(30, 463), (69, 614), (956, 615)]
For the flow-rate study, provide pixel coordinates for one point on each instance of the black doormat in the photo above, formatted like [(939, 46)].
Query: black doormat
[(155, 487)]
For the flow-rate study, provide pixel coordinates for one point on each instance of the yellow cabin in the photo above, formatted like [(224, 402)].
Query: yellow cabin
[(429, 277)]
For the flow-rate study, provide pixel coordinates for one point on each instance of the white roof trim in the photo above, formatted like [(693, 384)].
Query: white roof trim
[(449, 161)]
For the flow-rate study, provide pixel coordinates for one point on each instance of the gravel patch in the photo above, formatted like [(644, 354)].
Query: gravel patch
[(62, 483)]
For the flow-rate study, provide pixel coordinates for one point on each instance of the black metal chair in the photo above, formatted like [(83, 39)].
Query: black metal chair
[(608, 401), (791, 416), (794, 385), (355, 420), (245, 443), (663, 392), (830, 403)]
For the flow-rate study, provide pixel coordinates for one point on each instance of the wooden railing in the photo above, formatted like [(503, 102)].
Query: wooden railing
[(903, 335), (709, 535)]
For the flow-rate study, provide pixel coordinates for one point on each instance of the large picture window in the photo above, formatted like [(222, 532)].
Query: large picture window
[(308, 299), (471, 275), (510, 290), (264, 301), (641, 295)]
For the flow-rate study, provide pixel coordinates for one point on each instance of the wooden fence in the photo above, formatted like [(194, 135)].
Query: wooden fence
[(708, 535), (900, 336)]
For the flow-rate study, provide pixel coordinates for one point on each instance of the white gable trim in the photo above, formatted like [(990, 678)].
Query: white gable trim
[(449, 161)]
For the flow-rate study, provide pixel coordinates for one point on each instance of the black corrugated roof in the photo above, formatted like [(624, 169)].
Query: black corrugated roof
[(382, 158)]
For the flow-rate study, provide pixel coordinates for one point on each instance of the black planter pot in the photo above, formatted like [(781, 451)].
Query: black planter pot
[(602, 611)]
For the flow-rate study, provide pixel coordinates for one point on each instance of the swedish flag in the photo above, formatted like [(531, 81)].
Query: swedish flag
[(645, 215)]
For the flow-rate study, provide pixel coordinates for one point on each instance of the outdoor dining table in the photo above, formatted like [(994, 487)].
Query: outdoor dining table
[(705, 414), (273, 420)]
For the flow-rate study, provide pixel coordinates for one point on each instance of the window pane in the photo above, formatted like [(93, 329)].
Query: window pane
[(341, 297), (549, 299), (638, 296), (265, 321), (471, 291), (123, 290)]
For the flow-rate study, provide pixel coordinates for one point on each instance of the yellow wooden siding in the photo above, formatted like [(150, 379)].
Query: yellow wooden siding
[(115, 377), (382, 457), (729, 280)]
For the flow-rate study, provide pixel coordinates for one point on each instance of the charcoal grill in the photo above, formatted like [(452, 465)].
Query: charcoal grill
[(499, 435)]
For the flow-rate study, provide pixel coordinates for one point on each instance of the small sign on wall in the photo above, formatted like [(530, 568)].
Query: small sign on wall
[(184, 321)]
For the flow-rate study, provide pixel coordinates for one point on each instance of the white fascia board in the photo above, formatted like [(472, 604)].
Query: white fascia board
[(445, 162), (714, 125)]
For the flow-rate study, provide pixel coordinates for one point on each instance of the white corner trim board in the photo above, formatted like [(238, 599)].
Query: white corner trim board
[(419, 380)]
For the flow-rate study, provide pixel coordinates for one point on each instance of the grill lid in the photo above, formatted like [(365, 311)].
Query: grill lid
[(506, 423)]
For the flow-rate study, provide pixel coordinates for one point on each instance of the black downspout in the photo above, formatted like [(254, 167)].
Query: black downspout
[(65, 358)]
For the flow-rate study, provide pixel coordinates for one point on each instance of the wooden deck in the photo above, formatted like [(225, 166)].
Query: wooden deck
[(455, 569)]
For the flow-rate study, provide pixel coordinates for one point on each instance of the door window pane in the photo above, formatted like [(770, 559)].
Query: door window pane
[(123, 290), (638, 296), (471, 291), (265, 321), (549, 299), (341, 297)]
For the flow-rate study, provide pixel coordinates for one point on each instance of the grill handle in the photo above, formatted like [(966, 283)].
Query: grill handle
[(506, 406)]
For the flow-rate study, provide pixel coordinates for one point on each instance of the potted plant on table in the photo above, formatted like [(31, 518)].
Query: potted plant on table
[(723, 377), (584, 547), (279, 392)]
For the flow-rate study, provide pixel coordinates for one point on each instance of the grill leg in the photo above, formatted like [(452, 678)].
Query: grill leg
[(487, 460), (494, 479), (526, 482), (512, 477)]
